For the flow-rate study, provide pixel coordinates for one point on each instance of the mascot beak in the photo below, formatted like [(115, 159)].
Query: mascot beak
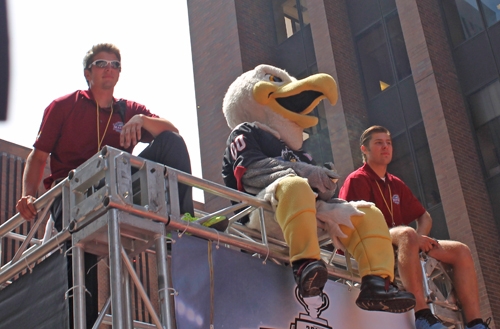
[(296, 99)]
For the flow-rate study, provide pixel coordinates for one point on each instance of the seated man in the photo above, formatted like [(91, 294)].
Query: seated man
[(70, 134), (78, 125), (400, 207)]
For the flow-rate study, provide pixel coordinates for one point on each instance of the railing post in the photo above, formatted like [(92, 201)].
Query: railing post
[(115, 268), (164, 281), (79, 311), (127, 300)]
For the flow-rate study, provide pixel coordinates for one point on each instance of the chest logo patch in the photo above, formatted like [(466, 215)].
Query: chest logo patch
[(117, 126), (395, 199)]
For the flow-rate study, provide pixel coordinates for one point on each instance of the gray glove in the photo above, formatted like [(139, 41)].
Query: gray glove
[(322, 179)]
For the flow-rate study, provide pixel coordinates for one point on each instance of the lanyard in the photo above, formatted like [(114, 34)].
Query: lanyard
[(385, 201), (99, 140)]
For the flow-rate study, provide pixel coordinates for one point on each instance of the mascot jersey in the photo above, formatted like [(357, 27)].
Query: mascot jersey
[(246, 144)]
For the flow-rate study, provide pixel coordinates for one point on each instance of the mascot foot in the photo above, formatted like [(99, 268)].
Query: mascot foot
[(378, 294), (311, 276)]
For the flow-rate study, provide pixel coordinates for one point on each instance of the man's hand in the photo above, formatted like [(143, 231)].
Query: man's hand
[(426, 244), (26, 207), (131, 131)]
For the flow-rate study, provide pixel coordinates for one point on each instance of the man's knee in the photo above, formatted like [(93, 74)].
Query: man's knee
[(169, 137), (404, 236)]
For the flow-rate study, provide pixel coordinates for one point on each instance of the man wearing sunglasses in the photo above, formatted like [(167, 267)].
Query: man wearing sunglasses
[(78, 125)]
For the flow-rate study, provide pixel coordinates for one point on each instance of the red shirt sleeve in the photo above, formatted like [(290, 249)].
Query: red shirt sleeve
[(53, 120), (356, 187)]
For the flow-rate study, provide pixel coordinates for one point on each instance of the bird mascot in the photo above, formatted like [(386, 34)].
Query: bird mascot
[(267, 111)]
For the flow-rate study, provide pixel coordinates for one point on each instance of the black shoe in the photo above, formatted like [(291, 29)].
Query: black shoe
[(311, 276), (379, 294)]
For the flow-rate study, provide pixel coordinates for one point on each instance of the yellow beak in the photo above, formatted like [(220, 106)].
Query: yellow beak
[(296, 99)]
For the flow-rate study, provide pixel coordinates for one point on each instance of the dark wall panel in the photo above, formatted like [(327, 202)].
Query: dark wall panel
[(474, 61)]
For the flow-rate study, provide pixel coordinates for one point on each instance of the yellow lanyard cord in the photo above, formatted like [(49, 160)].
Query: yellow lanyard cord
[(99, 140), (385, 201)]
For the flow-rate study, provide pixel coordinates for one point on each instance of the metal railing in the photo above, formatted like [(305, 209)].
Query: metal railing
[(104, 211)]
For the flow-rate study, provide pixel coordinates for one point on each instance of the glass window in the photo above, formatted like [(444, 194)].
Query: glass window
[(488, 137), (485, 111), (375, 62), (362, 14), (289, 17), (409, 101), (463, 18), (317, 139), (386, 6), (398, 46), (304, 12), (425, 166), (491, 11)]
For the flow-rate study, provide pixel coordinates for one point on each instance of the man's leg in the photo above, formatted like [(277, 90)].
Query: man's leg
[(169, 149), (410, 272), (464, 275)]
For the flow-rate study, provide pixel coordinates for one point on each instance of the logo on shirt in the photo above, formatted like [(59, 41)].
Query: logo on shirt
[(395, 199), (117, 126)]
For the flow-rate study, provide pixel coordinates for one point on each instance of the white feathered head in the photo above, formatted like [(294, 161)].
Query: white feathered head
[(272, 97)]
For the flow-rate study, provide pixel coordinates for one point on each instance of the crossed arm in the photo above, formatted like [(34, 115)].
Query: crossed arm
[(35, 164)]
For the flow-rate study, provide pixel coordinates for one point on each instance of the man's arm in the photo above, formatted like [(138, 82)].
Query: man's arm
[(424, 225), (131, 131), (35, 164)]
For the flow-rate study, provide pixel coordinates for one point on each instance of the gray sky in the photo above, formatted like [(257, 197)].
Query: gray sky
[(49, 38)]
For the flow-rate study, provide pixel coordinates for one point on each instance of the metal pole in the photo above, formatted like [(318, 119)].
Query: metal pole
[(102, 314), (10, 270), (115, 267), (140, 290), (16, 220), (166, 299), (79, 315), (127, 300)]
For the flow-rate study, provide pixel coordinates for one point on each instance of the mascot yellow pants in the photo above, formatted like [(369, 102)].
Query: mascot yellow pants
[(369, 241)]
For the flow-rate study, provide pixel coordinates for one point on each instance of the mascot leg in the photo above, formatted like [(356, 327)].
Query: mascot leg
[(296, 215), (371, 245)]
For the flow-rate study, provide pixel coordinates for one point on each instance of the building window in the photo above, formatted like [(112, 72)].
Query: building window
[(317, 139), (491, 11), (375, 61), (398, 46), (485, 111), (290, 16), (463, 18)]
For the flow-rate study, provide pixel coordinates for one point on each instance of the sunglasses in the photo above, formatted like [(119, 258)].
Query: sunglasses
[(102, 63)]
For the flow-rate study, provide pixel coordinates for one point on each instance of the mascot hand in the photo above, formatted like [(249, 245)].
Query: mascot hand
[(362, 204), (319, 178), (334, 214)]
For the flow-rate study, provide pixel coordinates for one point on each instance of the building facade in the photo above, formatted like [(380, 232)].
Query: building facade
[(428, 70)]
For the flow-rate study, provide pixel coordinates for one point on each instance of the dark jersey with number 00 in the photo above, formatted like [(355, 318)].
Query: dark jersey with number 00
[(247, 144)]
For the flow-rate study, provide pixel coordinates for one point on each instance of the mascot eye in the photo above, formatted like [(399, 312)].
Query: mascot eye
[(273, 78)]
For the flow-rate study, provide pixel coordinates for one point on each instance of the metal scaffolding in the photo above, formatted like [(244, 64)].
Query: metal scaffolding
[(116, 206)]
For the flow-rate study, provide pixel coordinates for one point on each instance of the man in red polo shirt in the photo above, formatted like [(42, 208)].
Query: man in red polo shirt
[(400, 207), (78, 125)]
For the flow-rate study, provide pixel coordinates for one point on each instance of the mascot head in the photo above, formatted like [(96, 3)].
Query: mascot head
[(271, 97)]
